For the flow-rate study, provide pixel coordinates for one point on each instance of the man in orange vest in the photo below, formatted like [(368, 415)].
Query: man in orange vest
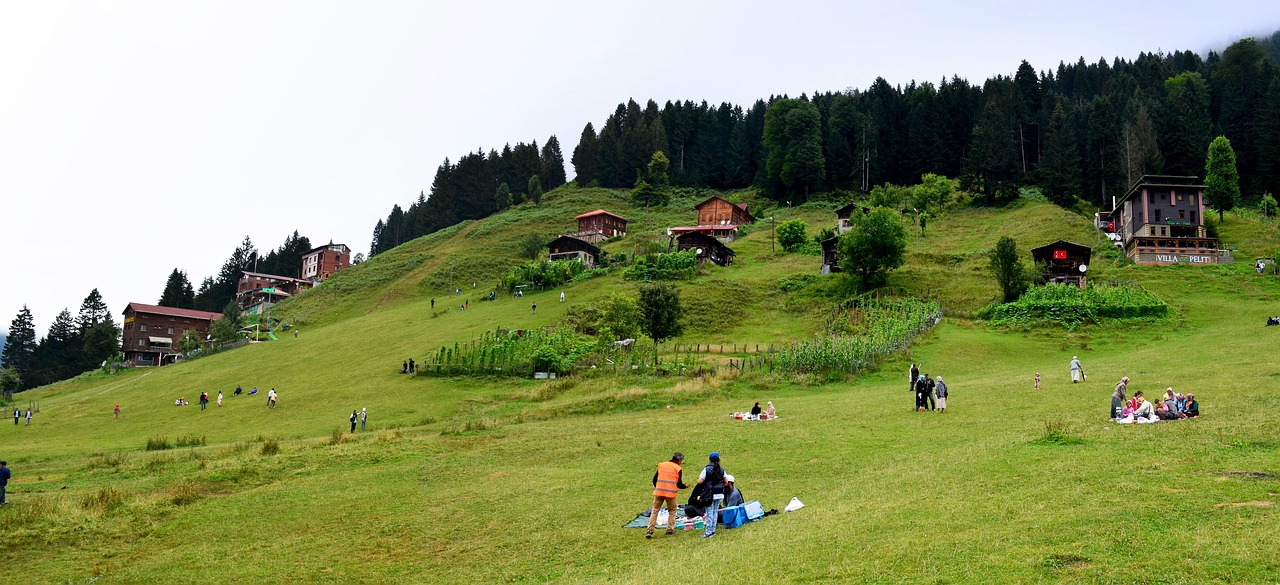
[(666, 482)]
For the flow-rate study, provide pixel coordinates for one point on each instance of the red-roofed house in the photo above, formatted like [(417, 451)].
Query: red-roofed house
[(597, 225), (153, 335)]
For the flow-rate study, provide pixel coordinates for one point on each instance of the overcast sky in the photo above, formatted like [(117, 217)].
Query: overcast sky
[(139, 137)]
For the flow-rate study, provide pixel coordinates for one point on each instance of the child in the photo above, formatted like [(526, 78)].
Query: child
[(1037, 381)]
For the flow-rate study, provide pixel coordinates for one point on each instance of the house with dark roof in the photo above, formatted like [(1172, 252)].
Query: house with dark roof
[(844, 215), (1064, 262), (152, 335), (1160, 220), (708, 249), (571, 248)]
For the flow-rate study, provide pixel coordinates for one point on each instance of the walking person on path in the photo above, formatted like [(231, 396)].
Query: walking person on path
[(4, 481), (941, 390), (1077, 370), (712, 479), (666, 483), (364, 417), (16, 415), (28, 417), (354, 417)]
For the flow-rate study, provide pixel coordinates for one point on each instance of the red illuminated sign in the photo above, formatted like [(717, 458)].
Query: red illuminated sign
[(1059, 254)]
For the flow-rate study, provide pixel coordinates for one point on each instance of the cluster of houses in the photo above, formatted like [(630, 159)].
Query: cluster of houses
[(718, 223), (153, 335)]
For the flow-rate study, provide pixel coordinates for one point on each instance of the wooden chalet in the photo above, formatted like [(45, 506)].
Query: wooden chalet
[(844, 215), (1064, 262), (571, 248), (152, 335), (1160, 220), (718, 218), (596, 226), (707, 248)]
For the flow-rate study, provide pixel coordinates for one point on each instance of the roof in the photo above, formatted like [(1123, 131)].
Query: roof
[(275, 277), (1047, 249), (1162, 181), (600, 212), (326, 247), (728, 227), (701, 238), (588, 246), (847, 210), (172, 312)]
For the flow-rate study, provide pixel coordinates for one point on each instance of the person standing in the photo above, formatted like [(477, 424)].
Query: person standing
[(712, 479), (941, 390), (666, 482), (562, 296), (364, 417), (1037, 381), (204, 400), (28, 416), (16, 415), (413, 367), (295, 333), (353, 421), (919, 388), (915, 374), (219, 399), (928, 391), (1077, 371), (1117, 397), (535, 307), (271, 398), (433, 304), (4, 481), (117, 411)]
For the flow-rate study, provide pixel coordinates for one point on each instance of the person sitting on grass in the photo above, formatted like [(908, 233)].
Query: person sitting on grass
[(770, 411), (732, 497), (1193, 407), (755, 410), (1144, 412)]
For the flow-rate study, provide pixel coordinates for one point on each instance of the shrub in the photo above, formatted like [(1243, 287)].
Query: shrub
[(189, 441), (791, 234), (158, 444), (102, 501), (672, 266), (270, 447), (185, 492)]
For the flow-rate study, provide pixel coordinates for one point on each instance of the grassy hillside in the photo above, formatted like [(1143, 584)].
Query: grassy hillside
[(465, 481)]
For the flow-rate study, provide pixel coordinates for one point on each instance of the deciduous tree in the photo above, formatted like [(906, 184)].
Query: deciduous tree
[(876, 244), (1008, 269), (791, 234), (1221, 179), (660, 312)]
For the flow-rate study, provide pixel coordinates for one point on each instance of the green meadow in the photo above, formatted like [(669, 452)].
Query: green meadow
[(489, 480)]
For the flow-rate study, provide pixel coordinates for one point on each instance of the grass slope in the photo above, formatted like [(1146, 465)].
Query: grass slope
[(460, 481)]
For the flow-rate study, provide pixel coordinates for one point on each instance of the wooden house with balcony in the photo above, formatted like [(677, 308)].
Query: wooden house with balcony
[(1063, 262), (1160, 220), (596, 226), (844, 215), (718, 218), (256, 291), (152, 335), (571, 248), (707, 248)]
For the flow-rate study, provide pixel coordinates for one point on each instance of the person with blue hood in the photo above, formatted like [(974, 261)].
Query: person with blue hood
[(712, 480)]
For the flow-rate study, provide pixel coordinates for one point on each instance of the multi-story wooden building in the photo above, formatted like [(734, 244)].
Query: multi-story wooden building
[(596, 226), (256, 289), (718, 218), (153, 335), (319, 263), (1160, 220)]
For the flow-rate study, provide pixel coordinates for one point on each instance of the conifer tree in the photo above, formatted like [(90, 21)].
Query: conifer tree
[(100, 342), (535, 190), (92, 311), (502, 197), (178, 292), (584, 157), (1059, 169), (552, 164), (1187, 127), (20, 345), (1221, 179), (57, 356)]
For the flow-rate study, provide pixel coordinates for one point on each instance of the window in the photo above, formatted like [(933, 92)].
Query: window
[(142, 326), (141, 343), (1182, 214), (1162, 231), (171, 331)]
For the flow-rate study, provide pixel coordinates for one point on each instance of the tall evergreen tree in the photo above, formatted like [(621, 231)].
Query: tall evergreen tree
[(1239, 83), (1029, 113), (1140, 148), (1221, 178), (1269, 137), (584, 157), (57, 356), (92, 311), (1187, 127), (993, 165), (535, 190), (552, 164), (20, 345), (178, 292), (793, 142), (1059, 168), (100, 342)]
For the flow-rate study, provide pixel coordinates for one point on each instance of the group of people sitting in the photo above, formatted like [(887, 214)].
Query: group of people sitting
[(758, 413), (1139, 410)]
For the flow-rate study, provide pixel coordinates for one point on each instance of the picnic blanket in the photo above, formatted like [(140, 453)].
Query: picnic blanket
[(750, 512), (753, 418)]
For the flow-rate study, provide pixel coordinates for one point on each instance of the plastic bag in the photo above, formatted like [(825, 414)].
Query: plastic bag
[(795, 504)]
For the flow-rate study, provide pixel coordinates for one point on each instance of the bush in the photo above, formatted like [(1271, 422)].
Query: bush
[(158, 444), (543, 273), (672, 266), (189, 441), (270, 447), (791, 234), (104, 500), (532, 245)]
